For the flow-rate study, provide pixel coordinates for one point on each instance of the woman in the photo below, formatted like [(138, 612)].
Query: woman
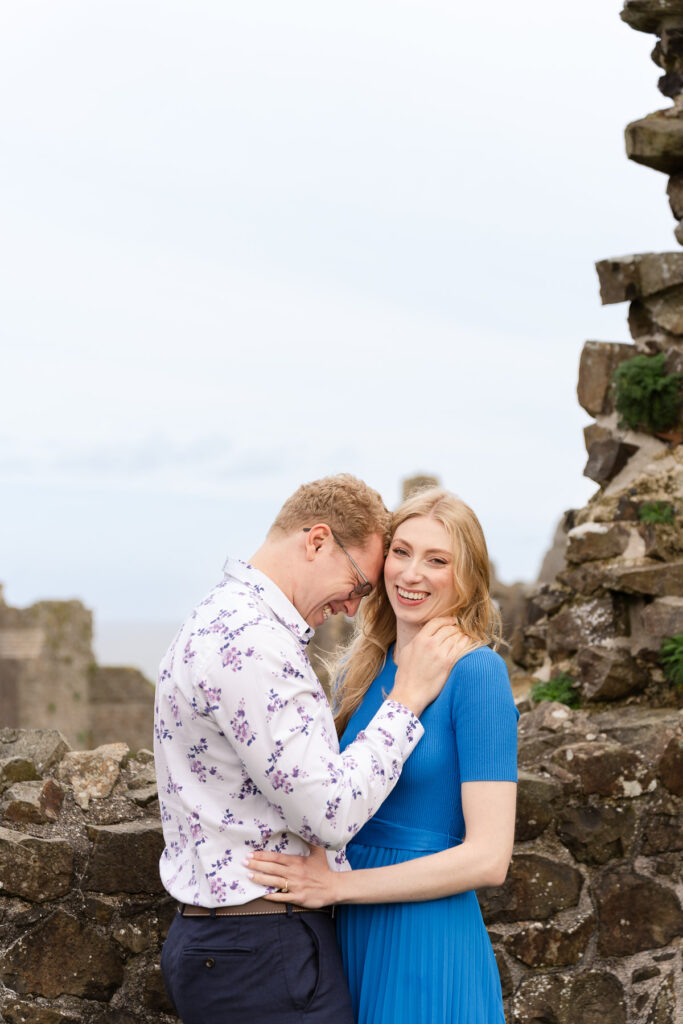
[(413, 941)]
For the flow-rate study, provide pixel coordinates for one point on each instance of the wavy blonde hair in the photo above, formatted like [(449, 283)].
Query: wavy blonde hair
[(474, 612)]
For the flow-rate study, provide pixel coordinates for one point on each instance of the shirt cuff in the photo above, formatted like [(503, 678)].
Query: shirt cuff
[(402, 723)]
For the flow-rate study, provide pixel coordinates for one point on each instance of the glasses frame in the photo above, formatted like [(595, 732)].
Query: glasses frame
[(361, 589)]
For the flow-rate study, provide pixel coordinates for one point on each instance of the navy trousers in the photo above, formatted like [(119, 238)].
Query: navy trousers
[(270, 968)]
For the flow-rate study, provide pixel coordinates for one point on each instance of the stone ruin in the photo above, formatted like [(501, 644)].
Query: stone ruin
[(49, 679), (587, 927)]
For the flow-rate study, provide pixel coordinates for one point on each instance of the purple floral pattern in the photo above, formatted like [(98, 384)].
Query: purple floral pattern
[(246, 751)]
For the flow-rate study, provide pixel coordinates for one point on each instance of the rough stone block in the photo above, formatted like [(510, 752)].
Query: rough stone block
[(657, 141), (34, 868), (605, 768), (137, 933), (548, 945), (663, 617), (594, 432), (670, 767), (154, 994), (650, 337), (609, 673), (592, 541), (635, 913), (674, 190), (599, 360), (33, 801), (662, 833), (664, 1005), (648, 15), (21, 1011), (607, 458), (589, 997), (585, 623), (544, 602), (44, 747), (93, 773), (548, 726), (656, 580), (87, 964), (535, 889), (585, 578), (595, 835), (659, 313), (125, 857), (661, 540), (16, 769), (535, 799), (625, 278)]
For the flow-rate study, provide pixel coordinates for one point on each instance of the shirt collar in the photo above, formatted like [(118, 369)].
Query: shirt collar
[(268, 591)]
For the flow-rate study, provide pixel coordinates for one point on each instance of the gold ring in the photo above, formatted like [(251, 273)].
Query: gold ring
[(285, 887)]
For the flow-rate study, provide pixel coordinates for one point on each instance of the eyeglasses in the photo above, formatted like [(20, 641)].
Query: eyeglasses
[(361, 589)]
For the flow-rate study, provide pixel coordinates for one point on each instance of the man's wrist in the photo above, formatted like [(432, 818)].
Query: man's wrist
[(407, 700)]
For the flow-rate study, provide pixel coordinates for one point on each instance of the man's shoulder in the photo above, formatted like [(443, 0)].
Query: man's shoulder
[(236, 614)]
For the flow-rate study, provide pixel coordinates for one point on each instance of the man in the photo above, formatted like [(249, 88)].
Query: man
[(247, 758)]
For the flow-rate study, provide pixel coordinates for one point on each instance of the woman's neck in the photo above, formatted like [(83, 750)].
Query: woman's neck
[(404, 634)]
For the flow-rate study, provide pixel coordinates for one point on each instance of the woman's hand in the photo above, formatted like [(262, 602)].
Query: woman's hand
[(309, 881), (425, 663)]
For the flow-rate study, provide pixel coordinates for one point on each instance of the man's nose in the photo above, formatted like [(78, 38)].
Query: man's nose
[(351, 605)]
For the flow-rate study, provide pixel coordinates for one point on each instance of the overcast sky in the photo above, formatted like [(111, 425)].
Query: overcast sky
[(244, 245)]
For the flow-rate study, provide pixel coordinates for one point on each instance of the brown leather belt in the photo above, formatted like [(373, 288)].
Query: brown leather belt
[(257, 906)]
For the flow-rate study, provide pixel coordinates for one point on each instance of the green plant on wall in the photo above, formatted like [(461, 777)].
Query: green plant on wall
[(656, 512), (559, 688), (671, 658), (646, 396)]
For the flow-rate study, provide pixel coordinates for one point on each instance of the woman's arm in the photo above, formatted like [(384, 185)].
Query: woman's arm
[(481, 859)]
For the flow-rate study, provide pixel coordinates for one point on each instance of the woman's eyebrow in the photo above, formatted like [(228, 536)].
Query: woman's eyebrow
[(430, 551)]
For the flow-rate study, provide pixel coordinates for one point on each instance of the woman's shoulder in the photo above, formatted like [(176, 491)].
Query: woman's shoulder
[(481, 659), (481, 675)]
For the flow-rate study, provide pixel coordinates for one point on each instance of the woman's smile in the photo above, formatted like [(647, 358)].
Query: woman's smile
[(411, 596)]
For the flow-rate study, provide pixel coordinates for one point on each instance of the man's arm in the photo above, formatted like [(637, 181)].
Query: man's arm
[(273, 712)]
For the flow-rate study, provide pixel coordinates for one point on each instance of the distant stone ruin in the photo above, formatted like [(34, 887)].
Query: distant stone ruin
[(49, 679)]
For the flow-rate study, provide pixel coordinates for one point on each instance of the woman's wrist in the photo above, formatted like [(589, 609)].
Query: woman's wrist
[(339, 887)]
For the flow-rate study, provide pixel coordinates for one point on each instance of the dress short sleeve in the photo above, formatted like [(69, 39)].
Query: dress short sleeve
[(484, 718)]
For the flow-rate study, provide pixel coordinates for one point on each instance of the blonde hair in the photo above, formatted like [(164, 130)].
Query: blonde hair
[(474, 611), (352, 509)]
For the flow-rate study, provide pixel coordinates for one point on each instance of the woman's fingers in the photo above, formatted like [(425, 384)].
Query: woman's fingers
[(305, 880), (276, 858)]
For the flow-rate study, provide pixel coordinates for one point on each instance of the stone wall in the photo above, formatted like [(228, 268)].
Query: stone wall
[(82, 913), (585, 928)]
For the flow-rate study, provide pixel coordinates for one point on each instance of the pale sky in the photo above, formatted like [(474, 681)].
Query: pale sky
[(246, 245)]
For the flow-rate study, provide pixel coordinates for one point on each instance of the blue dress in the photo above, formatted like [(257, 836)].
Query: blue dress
[(430, 962)]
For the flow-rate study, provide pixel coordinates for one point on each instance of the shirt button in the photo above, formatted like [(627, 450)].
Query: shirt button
[(209, 962)]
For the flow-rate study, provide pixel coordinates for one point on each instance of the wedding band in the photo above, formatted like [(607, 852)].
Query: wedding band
[(285, 887)]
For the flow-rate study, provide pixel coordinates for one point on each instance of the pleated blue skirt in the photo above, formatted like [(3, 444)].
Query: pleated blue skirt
[(416, 963)]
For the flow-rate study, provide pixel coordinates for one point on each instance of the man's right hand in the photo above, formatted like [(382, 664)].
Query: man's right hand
[(425, 663)]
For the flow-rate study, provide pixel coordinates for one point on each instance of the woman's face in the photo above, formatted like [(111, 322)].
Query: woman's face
[(418, 571)]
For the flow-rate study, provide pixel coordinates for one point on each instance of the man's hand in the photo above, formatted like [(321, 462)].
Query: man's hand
[(425, 663)]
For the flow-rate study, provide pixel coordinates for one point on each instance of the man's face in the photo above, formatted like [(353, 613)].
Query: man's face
[(331, 577)]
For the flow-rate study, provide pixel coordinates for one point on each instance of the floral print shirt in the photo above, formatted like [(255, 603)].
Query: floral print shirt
[(246, 751)]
